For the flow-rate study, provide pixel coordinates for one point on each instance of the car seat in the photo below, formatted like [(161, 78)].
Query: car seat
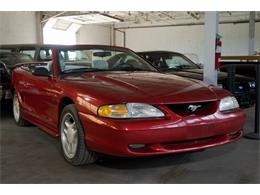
[(62, 63), (100, 64), (49, 66)]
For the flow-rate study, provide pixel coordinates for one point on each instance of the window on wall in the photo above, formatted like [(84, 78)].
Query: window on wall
[(54, 35)]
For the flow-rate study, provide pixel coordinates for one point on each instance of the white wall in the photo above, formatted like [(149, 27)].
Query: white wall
[(236, 38), (189, 39), (93, 34), (18, 27)]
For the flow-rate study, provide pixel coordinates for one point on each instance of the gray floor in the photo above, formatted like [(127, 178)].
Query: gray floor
[(29, 155)]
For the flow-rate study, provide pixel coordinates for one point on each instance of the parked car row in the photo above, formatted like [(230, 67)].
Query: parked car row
[(165, 61)]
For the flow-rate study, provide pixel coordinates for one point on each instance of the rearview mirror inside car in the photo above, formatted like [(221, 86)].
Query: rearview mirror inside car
[(102, 54)]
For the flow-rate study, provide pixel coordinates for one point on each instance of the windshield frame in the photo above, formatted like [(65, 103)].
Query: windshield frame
[(101, 47)]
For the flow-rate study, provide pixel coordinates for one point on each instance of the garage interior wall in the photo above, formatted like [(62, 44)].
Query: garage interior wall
[(189, 39), (18, 27), (93, 34)]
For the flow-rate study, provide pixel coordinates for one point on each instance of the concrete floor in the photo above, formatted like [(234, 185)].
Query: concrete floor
[(28, 155)]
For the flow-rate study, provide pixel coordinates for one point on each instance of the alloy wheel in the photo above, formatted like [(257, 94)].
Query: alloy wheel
[(16, 108), (69, 135)]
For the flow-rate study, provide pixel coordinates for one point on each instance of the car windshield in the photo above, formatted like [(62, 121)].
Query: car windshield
[(170, 61), (101, 59)]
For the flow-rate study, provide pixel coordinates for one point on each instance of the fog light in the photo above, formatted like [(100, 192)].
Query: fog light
[(137, 146)]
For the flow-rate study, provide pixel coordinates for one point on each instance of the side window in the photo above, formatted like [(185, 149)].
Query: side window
[(154, 60), (31, 67), (45, 54), (30, 52)]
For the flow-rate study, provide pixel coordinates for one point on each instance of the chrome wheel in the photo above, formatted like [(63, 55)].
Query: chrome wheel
[(16, 108), (69, 135)]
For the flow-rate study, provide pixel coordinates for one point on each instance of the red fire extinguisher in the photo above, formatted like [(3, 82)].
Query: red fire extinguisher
[(218, 52)]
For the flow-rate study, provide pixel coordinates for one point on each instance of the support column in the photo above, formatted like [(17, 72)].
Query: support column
[(251, 44), (112, 35), (39, 27), (210, 32)]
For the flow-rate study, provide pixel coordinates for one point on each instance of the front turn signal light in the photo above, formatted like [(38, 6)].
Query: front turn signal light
[(113, 111)]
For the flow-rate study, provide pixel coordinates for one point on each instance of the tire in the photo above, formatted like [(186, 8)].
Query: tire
[(72, 140), (17, 112)]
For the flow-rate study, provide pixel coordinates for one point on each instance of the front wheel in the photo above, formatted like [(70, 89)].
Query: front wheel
[(17, 112), (72, 138)]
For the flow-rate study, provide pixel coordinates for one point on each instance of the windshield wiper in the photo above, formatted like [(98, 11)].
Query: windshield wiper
[(180, 67), (76, 70), (171, 69), (128, 69)]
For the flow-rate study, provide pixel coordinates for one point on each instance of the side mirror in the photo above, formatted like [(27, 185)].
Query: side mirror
[(200, 65), (41, 71)]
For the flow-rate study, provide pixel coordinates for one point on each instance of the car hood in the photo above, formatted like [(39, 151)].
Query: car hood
[(198, 74), (149, 87)]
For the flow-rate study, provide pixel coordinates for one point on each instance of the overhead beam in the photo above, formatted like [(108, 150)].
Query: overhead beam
[(53, 16), (113, 17), (168, 16), (194, 15), (185, 24)]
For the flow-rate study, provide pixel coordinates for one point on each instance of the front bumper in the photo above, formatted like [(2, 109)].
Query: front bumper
[(161, 136)]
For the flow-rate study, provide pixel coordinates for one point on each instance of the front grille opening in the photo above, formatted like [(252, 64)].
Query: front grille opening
[(194, 109), (192, 142), (137, 146)]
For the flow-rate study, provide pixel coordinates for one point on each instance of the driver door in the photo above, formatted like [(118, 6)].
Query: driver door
[(43, 97)]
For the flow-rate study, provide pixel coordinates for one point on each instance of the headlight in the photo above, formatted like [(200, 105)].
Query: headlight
[(228, 103), (251, 84), (129, 110)]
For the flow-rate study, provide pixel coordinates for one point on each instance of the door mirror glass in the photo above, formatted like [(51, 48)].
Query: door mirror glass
[(41, 71)]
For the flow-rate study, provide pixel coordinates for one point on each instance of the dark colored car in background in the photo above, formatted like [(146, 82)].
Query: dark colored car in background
[(38, 52), (243, 68), (12, 58), (178, 64), (5, 92), (7, 61), (108, 100)]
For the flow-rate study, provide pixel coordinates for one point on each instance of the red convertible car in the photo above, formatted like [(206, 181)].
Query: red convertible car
[(108, 100)]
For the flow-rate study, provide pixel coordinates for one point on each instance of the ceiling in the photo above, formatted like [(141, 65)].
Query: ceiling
[(132, 19)]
